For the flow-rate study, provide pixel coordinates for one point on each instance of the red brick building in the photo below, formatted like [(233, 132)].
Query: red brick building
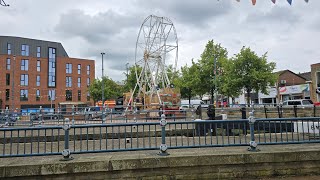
[(36, 73)]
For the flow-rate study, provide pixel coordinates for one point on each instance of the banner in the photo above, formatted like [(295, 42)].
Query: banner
[(274, 1)]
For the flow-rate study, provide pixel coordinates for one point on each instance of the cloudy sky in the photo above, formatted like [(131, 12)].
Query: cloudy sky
[(290, 34)]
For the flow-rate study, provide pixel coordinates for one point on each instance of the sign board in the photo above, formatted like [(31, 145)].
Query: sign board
[(307, 127), (295, 89)]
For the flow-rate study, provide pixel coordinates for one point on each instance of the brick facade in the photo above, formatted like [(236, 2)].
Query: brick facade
[(315, 97), (60, 89)]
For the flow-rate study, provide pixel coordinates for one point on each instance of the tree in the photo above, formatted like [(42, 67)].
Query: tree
[(131, 82), (210, 65), (250, 72), (111, 89), (189, 80), (227, 83)]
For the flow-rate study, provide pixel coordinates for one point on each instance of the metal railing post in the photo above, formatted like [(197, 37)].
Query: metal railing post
[(102, 115), (163, 146), (7, 117), (192, 114), (73, 115), (253, 144), (243, 113), (314, 110), (40, 115), (66, 153), (295, 111)]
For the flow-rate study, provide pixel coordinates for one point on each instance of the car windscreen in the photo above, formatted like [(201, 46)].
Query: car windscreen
[(307, 102)]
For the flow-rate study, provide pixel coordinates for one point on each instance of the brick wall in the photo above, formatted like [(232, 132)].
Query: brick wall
[(32, 72)]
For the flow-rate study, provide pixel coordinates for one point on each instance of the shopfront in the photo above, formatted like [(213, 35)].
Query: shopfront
[(301, 91)]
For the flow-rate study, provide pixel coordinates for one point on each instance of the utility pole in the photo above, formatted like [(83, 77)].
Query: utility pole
[(12, 87), (215, 81), (102, 76), (127, 68)]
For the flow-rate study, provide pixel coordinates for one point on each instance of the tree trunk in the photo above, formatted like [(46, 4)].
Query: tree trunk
[(248, 97), (189, 96), (212, 98)]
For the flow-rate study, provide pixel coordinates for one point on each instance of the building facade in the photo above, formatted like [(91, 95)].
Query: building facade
[(290, 86), (36, 73), (315, 76)]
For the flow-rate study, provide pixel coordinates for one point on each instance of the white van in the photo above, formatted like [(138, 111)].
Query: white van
[(193, 103), (298, 103)]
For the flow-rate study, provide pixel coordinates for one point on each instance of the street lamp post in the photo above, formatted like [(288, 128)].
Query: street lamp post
[(127, 68), (12, 88), (102, 98)]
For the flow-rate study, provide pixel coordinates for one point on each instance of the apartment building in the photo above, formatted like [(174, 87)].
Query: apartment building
[(36, 73)]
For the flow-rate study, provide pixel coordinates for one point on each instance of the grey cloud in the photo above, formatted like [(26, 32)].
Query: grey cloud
[(278, 14), (96, 28), (188, 11)]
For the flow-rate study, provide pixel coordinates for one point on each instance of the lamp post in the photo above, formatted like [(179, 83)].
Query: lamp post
[(102, 98), (12, 87), (127, 68)]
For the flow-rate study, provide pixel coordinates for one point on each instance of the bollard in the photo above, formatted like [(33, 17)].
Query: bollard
[(163, 146), (314, 110), (295, 111), (243, 113), (253, 144), (66, 153), (265, 111)]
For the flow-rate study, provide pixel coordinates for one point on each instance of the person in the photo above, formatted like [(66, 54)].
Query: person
[(198, 112)]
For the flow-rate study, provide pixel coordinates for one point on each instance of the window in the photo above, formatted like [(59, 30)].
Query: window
[(79, 95), (24, 50), (52, 68), (9, 48), (68, 81), (88, 81), (318, 79), (88, 70), (23, 95), (24, 65), (52, 95), (38, 65), (38, 51), (79, 68), (79, 82), (24, 79), (38, 95), (7, 94), (8, 63), (88, 96), (68, 95), (68, 68), (38, 80), (8, 79)]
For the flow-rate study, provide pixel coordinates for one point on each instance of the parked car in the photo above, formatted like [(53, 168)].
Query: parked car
[(298, 103), (91, 113), (45, 116)]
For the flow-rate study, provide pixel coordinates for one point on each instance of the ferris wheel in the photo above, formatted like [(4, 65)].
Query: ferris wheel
[(156, 50)]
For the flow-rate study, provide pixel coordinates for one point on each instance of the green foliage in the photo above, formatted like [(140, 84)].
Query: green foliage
[(211, 60), (111, 89), (250, 72), (132, 78), (188, 80)]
